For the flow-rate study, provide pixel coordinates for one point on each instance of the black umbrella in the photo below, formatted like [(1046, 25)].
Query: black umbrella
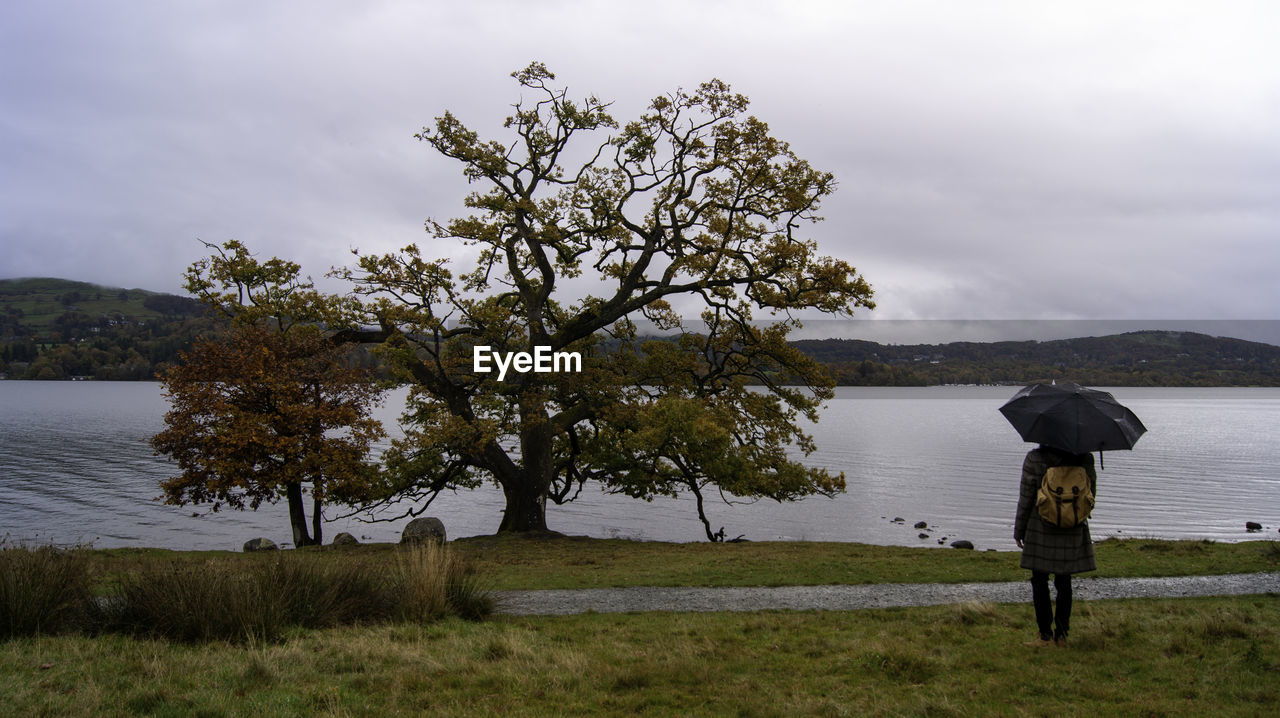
[(1072, 418)]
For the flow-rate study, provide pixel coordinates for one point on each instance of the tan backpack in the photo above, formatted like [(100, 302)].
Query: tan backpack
[(1065, 498)]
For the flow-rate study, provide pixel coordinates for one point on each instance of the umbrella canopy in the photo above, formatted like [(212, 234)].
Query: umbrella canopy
[(1072, 418)]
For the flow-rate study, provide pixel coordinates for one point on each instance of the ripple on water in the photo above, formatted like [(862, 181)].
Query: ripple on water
[(75, 465)]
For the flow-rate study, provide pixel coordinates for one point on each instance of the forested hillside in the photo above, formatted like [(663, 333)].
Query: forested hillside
[(1149, 358), (59, 329)]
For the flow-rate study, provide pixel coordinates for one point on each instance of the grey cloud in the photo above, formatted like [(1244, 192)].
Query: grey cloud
[(1130, 148)]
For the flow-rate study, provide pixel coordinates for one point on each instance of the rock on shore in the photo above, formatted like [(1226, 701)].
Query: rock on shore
[(423, 529), (260, 544)]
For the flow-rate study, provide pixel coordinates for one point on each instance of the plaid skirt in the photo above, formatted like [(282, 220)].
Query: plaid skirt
[(1054, 550)]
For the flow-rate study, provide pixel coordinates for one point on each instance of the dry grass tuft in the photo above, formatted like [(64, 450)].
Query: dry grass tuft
[(975, 613), (232, 598), (42, 590)]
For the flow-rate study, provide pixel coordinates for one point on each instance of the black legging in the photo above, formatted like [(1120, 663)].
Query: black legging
[(1044, 610)]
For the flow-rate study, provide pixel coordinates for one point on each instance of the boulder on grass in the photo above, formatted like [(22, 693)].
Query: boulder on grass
[(260, 544), (345, 539), (962, 544), (422, 530)]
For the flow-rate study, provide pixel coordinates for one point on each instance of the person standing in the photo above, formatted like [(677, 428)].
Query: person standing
[(1049, 549)]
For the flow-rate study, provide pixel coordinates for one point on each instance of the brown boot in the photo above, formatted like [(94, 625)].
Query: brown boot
[(1040, 642)]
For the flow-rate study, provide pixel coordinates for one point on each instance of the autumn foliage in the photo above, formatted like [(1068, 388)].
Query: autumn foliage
[(259, 414)]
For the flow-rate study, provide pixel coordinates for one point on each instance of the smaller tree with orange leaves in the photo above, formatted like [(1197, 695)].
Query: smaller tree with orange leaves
[(270, 408)]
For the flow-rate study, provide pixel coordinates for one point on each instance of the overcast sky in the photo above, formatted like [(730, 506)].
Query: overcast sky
[(996, 160)]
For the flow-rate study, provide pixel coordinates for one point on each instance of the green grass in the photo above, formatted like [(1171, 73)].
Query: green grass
[(573, 562), (1127, 658), (591, 563)]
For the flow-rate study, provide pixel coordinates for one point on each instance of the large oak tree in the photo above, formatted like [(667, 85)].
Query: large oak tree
[(583, 229)]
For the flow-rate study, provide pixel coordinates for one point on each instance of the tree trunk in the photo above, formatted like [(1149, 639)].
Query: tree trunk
[(298, 516), (526, 488), (317, 521), (702, 515), (526, 508)]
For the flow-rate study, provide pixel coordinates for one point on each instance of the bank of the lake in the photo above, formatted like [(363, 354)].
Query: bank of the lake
[(520, 563)]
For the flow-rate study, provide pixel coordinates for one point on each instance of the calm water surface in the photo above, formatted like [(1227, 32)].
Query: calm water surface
[(75, 466)]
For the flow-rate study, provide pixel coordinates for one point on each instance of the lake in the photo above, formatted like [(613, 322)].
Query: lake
[(75, 466)]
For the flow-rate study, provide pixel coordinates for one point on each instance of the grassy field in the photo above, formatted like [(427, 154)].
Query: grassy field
[(1186, 657), (1212, 656)]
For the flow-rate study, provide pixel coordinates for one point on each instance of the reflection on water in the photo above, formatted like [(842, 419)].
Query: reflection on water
[(75, 466)]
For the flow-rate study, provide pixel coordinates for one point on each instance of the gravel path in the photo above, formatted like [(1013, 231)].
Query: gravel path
[(846, 598)]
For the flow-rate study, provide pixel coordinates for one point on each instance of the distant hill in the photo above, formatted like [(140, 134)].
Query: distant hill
[(60, 329), (41, 300), (1144, 358)]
